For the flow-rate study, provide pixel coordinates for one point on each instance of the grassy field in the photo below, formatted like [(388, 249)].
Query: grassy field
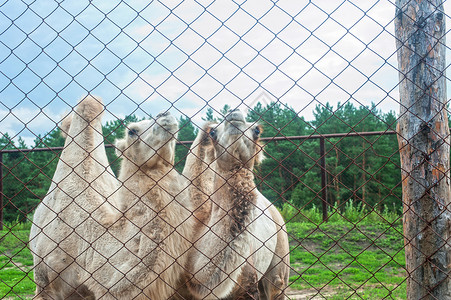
[(16, 277), (342, 260), (357, 256)]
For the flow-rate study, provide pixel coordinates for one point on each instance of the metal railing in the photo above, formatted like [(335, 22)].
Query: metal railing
[(322, 162)]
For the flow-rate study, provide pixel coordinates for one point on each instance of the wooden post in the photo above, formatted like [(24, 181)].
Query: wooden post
[(423, 137)]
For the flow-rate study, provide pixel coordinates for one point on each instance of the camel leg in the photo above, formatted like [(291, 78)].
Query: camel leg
[(247, 287), (56, 291), (82, 293), (48, 284), (272, 290), (60, 281)]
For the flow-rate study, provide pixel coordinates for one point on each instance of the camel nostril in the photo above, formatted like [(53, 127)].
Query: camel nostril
[(163, 114), (235, 115)]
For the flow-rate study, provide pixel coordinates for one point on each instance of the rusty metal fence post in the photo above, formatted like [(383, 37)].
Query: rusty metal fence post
[(322, 160), (1, 190), (322, 153)]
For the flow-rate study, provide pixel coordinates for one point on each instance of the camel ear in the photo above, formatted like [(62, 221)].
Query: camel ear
[(260, 155), (120, 147)]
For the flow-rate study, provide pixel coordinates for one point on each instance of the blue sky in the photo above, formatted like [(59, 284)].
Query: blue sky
[(143, 57)]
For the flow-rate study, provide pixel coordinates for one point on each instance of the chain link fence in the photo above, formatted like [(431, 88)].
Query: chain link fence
[(226, 149)]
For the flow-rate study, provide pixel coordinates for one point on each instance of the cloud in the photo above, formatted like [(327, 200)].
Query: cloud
[(294, 60), (28, 123), (143, 57)]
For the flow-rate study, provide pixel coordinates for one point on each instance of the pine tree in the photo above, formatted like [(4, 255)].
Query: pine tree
[(209, 115), (362, 169), (187, 132)]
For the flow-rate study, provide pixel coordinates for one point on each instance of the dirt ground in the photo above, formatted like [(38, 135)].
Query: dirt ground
[(308, 294)]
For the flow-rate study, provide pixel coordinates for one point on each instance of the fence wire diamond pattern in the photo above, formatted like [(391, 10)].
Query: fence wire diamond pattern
[(203, 150)]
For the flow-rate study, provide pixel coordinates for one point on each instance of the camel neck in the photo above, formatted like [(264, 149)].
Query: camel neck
[(154, 173), (224, 243), (240, 178), (236, 197)]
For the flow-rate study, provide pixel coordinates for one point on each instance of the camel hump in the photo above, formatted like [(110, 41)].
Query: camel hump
[(65, 125), (90, 108)]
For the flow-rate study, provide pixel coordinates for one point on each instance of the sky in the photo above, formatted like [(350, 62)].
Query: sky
[(144, 57)]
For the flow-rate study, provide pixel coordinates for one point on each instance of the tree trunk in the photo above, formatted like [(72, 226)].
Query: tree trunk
[(423, 137)]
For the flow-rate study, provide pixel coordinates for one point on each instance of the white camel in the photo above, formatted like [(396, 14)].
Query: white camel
[(244, 243), (97, 237), (199, 170)]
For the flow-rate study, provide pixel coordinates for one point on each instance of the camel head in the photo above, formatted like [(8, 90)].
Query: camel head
[(236, 142), (150, 142)]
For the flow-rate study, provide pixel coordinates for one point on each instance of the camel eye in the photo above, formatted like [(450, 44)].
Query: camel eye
[(213, 134), (132, 132), (257, 131)]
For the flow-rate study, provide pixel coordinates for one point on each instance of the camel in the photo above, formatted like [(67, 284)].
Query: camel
[(242, 248), (95, 236), (199, 170)]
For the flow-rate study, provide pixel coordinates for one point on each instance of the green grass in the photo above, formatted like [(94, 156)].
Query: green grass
[(347, 258), (16, 277), (16, 284)]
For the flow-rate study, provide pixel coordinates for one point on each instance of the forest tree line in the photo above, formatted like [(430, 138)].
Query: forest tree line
[(364, 170)]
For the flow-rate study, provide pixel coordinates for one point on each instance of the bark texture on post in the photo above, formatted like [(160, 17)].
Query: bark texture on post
[(423, 137)]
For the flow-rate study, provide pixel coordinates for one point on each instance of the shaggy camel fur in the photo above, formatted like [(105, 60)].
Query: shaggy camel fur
[(199, 170), (245, 243), (96, 237)]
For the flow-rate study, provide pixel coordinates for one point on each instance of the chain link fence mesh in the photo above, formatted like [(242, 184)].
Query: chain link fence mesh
[(152, 216)]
